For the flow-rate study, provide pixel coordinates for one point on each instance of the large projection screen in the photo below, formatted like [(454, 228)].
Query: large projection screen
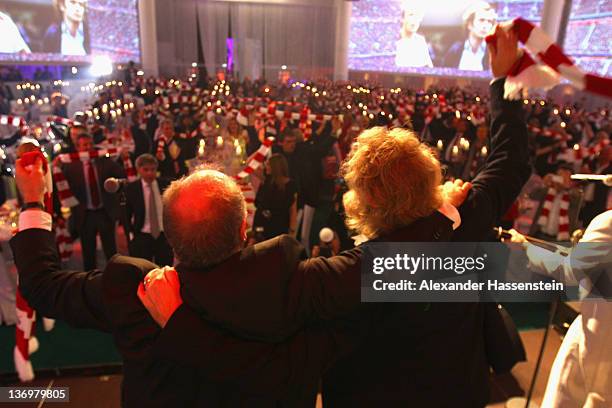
[(439, 37), (69, 31), (588, 35)]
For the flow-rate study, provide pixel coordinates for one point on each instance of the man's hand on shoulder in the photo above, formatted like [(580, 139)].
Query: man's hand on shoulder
[(160, 294), (455, 192)]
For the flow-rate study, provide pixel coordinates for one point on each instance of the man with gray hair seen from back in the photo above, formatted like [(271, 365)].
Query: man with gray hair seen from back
[(203, 214)]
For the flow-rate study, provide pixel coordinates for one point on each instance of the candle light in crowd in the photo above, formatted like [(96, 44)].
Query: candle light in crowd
[(219, 141), (455, 150), (484, 151), (440, 144), (201, 147)]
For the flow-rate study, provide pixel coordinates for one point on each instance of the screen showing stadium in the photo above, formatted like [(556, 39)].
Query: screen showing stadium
[(439, 37), (69, 31), (587, 38)]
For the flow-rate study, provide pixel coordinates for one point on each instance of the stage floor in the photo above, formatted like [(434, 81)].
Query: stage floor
[(103, 391)]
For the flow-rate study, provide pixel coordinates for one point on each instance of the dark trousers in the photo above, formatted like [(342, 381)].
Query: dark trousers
[(97, 222), (155, 250)]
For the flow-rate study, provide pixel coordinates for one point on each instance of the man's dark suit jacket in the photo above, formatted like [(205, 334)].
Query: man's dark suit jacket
[(221, 370), (445, 363), (75, 175), (135, 205), (406, 354), (105, 301)]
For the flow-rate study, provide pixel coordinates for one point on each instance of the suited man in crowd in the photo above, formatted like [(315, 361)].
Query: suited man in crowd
[(172, 157), (143, 143), (144, 213), (97, 211), (388, 354)]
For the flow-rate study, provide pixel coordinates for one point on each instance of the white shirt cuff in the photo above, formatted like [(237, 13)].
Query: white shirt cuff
[(35, 219), (450, 212)]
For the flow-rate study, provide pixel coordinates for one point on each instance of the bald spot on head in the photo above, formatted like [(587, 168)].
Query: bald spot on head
[(203, 216)]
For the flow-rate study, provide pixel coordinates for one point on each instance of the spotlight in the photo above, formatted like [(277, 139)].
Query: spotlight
[(101, 65)]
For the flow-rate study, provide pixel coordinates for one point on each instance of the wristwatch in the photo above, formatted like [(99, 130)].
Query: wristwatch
[(33, 204)]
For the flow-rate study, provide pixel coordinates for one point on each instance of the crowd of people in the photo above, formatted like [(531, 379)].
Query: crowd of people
[(293, 168), (311, 127)]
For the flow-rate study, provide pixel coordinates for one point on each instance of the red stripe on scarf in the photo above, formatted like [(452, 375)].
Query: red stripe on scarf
[(553, 57)]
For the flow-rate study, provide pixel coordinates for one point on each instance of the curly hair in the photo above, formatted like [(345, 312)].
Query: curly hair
[(393, 179)]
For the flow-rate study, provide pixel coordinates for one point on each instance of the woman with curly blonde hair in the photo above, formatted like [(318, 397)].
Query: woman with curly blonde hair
[(393, 180)]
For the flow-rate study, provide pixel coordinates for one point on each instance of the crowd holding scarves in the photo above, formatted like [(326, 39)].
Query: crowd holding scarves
[(236, 125)]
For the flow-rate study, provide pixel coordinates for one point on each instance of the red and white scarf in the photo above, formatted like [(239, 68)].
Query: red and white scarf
[(256, 160), (25, 342), (63, 239), (546, 218), (544, 64), (253, 163), (64, 192)]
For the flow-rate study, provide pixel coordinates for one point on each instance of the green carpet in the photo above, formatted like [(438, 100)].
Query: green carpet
[(528, 316), (68, 347), (64, 346)]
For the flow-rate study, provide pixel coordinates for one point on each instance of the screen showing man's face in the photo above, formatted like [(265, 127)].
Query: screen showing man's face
[(74, 10), (483, 22)]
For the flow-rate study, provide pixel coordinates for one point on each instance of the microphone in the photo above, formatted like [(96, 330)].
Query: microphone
[(502, 233), (112, 185), (604, 178)]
